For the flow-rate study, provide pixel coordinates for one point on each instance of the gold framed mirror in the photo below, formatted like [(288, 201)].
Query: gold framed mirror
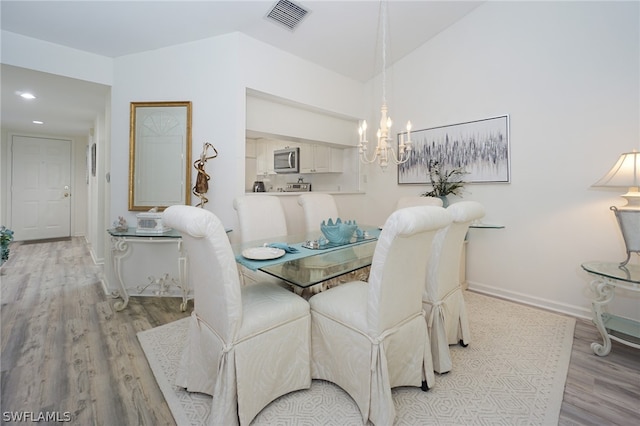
[(159, 155)]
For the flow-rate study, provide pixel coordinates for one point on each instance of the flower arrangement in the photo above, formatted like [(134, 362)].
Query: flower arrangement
[(443, 181), (6, 236)]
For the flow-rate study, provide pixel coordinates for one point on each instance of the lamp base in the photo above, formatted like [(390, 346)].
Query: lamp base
[(629, 222), (633, 198)]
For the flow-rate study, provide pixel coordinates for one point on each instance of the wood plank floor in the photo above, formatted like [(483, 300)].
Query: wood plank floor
[(65, 350)]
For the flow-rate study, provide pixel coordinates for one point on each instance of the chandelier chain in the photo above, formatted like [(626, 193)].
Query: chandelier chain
[(384, 151)]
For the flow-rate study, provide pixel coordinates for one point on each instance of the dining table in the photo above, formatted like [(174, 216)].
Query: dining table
[(308, 260)]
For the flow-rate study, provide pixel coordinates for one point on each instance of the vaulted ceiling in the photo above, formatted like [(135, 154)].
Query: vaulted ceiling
[(342, 36)]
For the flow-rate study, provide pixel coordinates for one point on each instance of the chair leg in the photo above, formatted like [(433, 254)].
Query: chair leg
[(463, 344), (424, 386)]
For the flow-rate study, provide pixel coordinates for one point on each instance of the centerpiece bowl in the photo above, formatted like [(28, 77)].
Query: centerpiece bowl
[(339, 232)]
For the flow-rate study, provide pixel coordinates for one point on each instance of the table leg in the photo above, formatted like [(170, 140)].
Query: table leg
[(604, 294), (119, 250), (182, 272)]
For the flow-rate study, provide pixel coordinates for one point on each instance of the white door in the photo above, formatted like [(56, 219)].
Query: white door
[(40, 188)]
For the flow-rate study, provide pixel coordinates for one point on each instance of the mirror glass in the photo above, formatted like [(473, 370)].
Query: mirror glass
[(159, 155)]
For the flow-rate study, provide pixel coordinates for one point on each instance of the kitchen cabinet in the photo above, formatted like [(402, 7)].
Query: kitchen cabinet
[(264, 155), (336, 160), (264, 152), (250, 148), (316, 158)]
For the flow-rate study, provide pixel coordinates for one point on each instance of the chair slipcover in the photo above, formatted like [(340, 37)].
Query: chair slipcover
[(317, 207), (368, 338), (246, 345), (411, 201), (260, 217), (443, 300)]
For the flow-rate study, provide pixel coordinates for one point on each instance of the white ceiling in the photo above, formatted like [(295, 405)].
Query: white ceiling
[(339, 35)]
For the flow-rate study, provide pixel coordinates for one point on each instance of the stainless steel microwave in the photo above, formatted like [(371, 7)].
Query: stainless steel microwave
[(286, 160)]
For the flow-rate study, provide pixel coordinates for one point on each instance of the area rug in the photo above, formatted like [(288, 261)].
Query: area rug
[(513, 372)]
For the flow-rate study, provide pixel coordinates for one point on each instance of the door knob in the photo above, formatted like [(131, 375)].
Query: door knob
[(66, 194)]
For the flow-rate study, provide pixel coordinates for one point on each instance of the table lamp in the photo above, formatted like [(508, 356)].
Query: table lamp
[(626, 173)]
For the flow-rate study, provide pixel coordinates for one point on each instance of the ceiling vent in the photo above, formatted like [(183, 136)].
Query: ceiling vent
[(287, 14)]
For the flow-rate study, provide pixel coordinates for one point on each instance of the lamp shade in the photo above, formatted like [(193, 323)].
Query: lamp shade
[(625, 173)]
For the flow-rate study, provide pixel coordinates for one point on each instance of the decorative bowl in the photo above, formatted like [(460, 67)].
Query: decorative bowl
[(339, 232)]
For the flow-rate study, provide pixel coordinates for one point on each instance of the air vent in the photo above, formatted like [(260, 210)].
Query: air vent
[(287, 14)]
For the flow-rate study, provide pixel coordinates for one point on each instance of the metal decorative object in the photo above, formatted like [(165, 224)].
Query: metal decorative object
[(202, 180)]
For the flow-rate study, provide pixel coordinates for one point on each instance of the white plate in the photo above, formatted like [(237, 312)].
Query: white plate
[(262, 253)]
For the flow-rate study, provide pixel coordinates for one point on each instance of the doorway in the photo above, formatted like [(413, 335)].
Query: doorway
[(40, 188)]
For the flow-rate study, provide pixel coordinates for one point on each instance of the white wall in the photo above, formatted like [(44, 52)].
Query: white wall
[(214, 74), (568, 75), (27, 52)]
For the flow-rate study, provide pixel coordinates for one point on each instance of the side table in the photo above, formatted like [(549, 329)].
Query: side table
[(608, 277), (159, 284)]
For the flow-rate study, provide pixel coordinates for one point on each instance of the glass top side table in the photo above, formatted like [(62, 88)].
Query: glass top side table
[(607, 277), (162, 277)]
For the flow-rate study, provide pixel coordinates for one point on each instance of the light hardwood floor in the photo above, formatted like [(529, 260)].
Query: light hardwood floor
[(65, 350)]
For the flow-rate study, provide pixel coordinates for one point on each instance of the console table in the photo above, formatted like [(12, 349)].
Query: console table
[(608, 277), (160, 260)]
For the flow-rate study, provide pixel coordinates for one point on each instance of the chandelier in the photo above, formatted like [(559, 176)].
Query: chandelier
[(384, 149)]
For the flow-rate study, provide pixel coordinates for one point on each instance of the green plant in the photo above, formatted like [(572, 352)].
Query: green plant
[(443, 181), (6, 236)]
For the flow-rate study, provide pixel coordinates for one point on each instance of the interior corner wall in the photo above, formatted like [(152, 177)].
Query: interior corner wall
[(568, 75)]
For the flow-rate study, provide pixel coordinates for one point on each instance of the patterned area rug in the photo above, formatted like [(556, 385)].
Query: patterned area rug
[(513, 372)]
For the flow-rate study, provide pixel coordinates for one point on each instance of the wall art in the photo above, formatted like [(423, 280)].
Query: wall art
[(479, 147)]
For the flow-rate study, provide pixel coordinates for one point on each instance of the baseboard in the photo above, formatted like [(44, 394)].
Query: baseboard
[(551, 305)]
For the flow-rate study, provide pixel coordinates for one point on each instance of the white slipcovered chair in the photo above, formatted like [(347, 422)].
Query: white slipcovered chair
[(317, 207), (443, 299), (246, 345), (260, 217), (411, 201), (370, 337)]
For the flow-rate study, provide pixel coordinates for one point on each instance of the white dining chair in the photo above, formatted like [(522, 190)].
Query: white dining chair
[(317, 207), (370, 337), (260, 217), (416, 200), (443, 299), (246, 346)]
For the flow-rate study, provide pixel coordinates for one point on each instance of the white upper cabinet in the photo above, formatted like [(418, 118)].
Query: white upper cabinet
[(316, 158)]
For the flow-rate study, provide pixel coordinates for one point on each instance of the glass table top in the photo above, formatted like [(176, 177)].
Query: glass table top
[(319, 265), (308, 271), (132, 232), (629, 273)]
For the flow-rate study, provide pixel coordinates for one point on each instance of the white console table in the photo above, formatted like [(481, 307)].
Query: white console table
[(155, 266), (608, 277)]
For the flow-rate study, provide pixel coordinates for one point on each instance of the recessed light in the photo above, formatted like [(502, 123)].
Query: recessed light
[(27, 95), (37, 122)]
